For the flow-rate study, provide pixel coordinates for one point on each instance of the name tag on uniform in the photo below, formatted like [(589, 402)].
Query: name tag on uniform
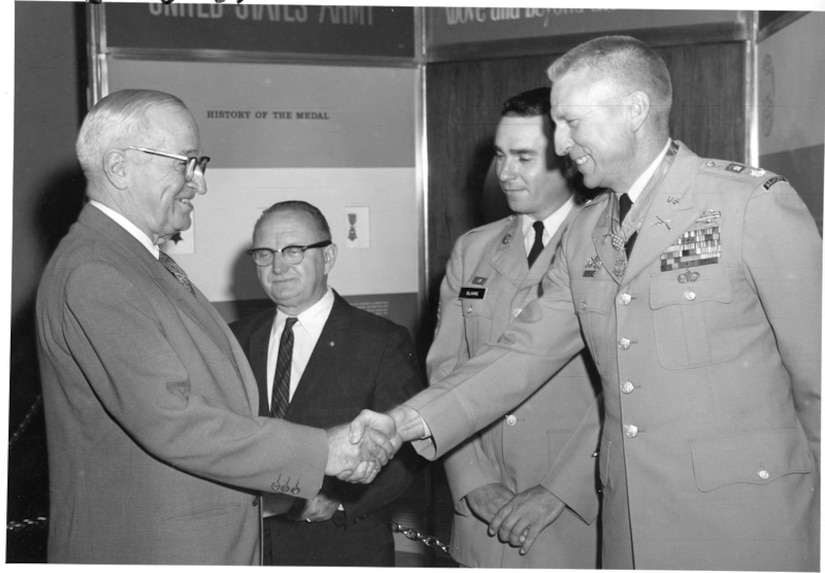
[(472, 293)]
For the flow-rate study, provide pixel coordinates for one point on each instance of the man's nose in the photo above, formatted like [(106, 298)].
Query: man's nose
[(198, 182)]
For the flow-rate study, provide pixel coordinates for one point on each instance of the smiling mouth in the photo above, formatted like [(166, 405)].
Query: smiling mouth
[(581, 160)]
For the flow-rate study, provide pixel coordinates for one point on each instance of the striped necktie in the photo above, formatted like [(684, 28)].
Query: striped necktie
[(280, 385)]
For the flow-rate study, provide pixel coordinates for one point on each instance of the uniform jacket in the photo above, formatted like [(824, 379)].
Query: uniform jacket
[(154, 445), (360, 361), (520, 449), (711, 382)]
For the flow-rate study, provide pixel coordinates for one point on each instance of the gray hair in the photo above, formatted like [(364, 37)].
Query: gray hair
[(626, 61), (117, 118)]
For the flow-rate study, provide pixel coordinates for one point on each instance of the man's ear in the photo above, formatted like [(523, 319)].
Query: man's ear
[(638, 109), (115, 168), (330, 254)]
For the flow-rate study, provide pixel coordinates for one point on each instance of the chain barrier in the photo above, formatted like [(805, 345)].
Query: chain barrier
[(37, 522), (414, 535), (26, 420)]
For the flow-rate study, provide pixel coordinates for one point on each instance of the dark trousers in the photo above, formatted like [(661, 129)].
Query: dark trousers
[(328, 543)]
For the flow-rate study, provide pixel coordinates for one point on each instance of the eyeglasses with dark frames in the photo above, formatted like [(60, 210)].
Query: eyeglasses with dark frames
[(190, 162), (293, 254)]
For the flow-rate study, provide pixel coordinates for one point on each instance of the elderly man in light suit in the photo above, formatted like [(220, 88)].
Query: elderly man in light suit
[(701, 307), (155, 448), (494, 271)]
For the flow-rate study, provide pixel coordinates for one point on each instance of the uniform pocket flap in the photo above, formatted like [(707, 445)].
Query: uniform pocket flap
[(705, 283), (756, 458)]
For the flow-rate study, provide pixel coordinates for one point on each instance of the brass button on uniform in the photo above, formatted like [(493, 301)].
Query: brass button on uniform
[(510, 420), (516, 313), (624, 299), (583, 305), (690, 295), (624, 343), (627, 387), (764, 474), (631, 431)]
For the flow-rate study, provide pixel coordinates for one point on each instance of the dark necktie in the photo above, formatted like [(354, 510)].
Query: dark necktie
[(625, 203), (178, 273), (538, 245), (280, 385)]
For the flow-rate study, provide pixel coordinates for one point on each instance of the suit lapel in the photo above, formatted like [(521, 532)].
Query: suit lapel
[(322, 366), (601, 237), (509, 258), (258, 355), (140, 261)]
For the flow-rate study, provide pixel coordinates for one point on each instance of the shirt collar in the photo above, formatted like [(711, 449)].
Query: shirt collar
[(551, 223), (314, 318), (128, 226), (636, 189)]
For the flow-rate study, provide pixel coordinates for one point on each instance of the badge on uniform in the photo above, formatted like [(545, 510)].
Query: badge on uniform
[(591, 268), (479, 281), (472, 293), (701, 245)]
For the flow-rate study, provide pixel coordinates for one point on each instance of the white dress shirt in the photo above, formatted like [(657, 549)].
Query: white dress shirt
[(128, 226), (307, 332), (551, 225)]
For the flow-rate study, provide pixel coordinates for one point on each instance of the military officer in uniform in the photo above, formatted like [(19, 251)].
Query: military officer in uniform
[(494, 271), (701, 307)]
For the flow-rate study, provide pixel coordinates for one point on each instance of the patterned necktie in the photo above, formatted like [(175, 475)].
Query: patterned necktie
[(280, 385), (178, 273), (538, 244)]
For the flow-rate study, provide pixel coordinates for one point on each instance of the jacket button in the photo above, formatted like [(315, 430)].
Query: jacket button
[(510, 420), (276, 486), (624, 299), (690, 295), (764, 474), (627, 387), (583, 305), (516, 313), (469, 310), (624, 343), (631, 431)]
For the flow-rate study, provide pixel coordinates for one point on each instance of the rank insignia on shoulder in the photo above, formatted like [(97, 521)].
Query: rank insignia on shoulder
[(472, 293), (479, 281), (772, 181)]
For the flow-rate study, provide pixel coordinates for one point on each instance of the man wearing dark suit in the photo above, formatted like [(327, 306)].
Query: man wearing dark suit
[(494, 271), (319, 361), (156, 451)]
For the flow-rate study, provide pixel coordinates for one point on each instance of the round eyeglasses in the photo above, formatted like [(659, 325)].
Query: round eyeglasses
[(190, 162), (293, 254)]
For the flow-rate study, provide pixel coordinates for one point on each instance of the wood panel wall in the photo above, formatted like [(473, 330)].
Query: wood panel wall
[(463, 104)]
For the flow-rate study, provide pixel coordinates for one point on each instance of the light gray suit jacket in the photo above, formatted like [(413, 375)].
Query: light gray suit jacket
[(155, 449)]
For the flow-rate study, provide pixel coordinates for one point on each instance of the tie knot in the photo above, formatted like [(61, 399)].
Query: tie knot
[(539, 228), (625, 203), (290, 322)]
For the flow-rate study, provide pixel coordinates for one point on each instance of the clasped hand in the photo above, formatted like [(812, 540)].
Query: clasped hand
[(358, 450)]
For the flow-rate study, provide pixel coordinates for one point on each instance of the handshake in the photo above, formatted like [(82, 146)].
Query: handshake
[(358, 450)]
